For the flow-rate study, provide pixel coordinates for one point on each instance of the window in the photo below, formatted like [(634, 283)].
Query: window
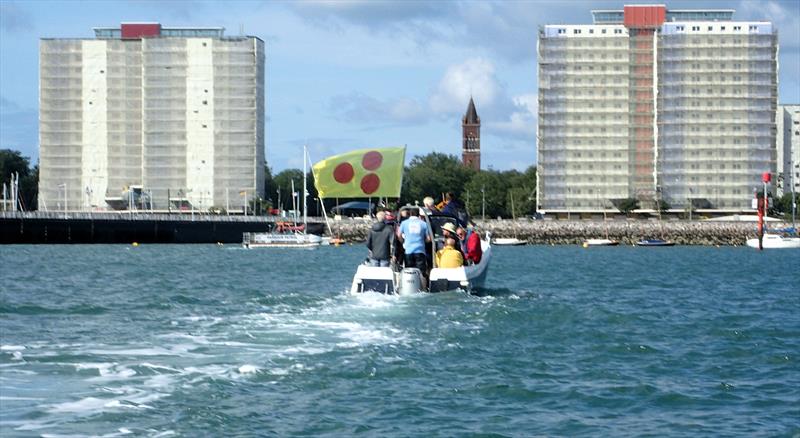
[(562, 31), (753, 28), (603, 31), (576, 31), (737, 27), (695, 28), (722, 28), (618, 31), (710, 27), (591, 30)]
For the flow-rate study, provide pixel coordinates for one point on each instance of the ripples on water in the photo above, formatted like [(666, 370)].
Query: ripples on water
[(205, 340)]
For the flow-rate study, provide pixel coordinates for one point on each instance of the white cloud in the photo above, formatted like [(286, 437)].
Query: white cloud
[(473, 78)]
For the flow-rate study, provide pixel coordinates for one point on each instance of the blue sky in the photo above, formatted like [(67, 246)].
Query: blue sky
[(352, 74)]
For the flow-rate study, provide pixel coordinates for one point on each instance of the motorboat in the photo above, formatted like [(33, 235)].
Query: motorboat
[(599, 242), (654, 242), (508, 241), (775, 241), (406, 281), (281, 240), (287, 234)]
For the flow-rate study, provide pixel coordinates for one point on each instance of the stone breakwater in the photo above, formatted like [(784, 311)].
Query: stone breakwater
[(627, 232)]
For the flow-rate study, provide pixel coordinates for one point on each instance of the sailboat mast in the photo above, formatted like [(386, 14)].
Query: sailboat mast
[(305, 192)]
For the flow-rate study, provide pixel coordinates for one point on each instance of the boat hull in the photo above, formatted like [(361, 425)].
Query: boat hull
[(509, 241), (278, 240), (772, 241), (386, 280), (654, 243), (600, 242)]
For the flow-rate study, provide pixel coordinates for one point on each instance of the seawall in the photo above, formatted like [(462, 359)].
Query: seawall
[(627, 232)]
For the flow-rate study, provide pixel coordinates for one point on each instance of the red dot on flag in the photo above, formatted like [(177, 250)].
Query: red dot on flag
[(372, 160), (370, 183), (343, 173)]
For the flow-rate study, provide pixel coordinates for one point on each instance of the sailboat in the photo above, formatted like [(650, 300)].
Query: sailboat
[(510, 241), (601, 242), (287, 235), (774, 240)]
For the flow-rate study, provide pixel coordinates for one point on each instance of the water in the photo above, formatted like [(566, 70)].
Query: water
[(202, 340)]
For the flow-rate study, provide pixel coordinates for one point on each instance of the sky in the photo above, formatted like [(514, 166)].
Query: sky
[(343, 75)]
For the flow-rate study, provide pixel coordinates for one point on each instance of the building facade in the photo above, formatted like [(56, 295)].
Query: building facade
[(471, 138), (174, 116), (788, 146), (657, 105)]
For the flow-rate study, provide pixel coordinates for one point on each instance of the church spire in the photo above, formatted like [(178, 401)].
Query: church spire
[(471, 137)]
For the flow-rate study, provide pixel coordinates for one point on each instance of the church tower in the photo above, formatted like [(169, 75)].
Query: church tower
[(471, 138)]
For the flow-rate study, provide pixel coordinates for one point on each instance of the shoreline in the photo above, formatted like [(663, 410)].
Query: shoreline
[(627, 232)]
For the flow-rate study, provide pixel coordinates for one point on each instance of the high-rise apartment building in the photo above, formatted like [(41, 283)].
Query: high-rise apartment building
[(174, 114), (655, 104), (788, 145)]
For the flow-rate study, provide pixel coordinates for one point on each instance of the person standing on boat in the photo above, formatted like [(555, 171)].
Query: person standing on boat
[(414, 235), (379, 241), (456, 209)]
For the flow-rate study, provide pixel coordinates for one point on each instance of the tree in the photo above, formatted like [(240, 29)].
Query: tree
[(494, 188), (626, 206), (270, 188), (432, 175), (13, 162), (283, 182)]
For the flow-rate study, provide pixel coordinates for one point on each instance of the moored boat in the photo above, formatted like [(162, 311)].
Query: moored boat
[(599, 242), (508, 241), (775, 241), (654, 242)]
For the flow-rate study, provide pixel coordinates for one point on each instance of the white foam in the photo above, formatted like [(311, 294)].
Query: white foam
[(12, 347), (248, 369)]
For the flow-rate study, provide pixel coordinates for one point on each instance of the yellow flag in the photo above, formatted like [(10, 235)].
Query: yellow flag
[(361, 173)]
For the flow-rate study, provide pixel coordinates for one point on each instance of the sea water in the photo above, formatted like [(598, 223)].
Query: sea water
[(206, 340)]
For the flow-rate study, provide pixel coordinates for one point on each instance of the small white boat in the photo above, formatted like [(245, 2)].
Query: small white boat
[(775, 241), (281, 240), (599, 242), (508, 241)]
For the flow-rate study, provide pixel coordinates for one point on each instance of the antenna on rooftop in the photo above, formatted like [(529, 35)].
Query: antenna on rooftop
[(241, 29)]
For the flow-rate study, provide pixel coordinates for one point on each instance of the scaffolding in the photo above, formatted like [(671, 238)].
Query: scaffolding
[(180, 114)]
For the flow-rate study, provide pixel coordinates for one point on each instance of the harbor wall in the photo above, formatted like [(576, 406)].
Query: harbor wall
[(32, 228), (627, 232)]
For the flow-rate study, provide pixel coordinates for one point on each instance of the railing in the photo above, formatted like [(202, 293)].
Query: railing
[(143, 216)]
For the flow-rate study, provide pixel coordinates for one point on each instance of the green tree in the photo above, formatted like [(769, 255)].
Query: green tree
[(488, 185), (270, 188), (522, 186), (626, 206), (784, 204), (13, 162), (432, 175), (283, 182)]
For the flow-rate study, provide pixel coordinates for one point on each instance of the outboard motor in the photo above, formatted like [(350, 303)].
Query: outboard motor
[(410, 281)]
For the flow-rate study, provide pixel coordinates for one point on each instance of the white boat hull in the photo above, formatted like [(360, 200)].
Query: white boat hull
[(600, 242), (277, 240), (774, 241), (386, 280), (509, 241)]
